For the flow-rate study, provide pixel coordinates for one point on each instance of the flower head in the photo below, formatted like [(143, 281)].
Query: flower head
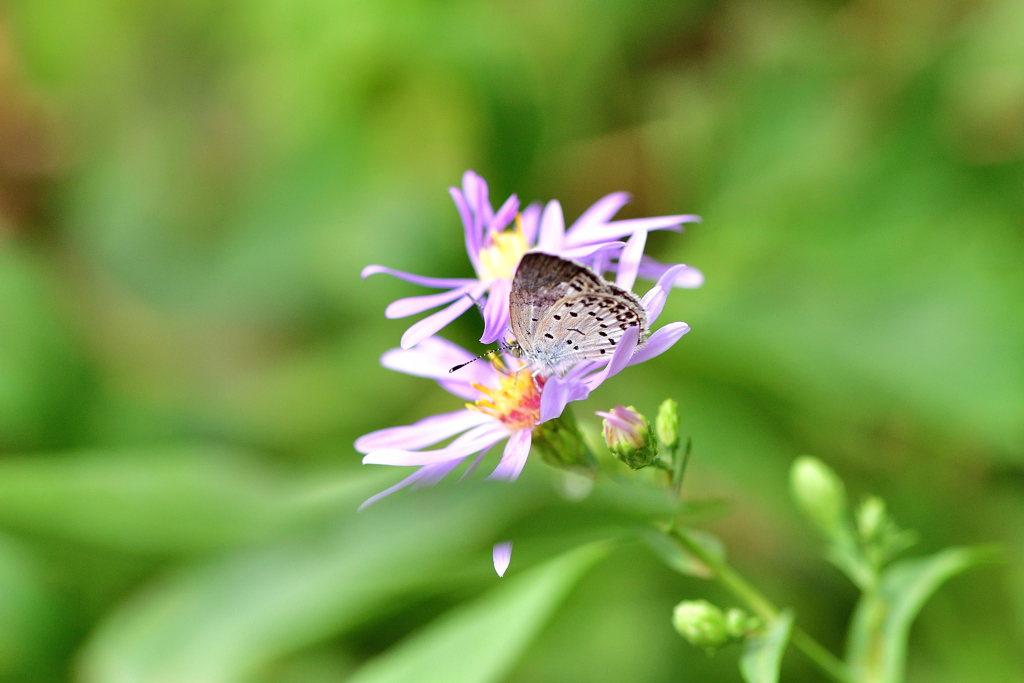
[(508, 400), (497, 240), (506, 403), (628, 436)]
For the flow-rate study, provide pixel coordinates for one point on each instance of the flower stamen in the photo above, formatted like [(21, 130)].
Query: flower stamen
[(515, 402)]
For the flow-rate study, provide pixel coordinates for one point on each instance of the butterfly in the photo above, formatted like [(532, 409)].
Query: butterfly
[(562, 313)]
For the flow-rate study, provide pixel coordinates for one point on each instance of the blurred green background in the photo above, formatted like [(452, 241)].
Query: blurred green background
[(189, 190)]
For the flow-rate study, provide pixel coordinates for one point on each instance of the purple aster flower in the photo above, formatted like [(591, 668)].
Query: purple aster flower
[(495, 252), (508, 402)]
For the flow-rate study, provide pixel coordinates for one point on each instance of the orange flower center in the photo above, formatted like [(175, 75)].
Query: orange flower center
[(516, 399)]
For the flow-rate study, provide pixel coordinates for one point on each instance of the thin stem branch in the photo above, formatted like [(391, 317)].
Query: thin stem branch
[(763, 607), (680, 465)]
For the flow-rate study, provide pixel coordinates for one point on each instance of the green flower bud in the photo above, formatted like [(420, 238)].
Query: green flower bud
[(738, 623), (871, 517), (629, 437), (667, 423), (820, 494), (561, 444), (701, 623)]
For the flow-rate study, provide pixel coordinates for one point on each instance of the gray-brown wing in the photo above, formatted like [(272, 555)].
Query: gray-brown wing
[(541, 281), (588, 326), (563, 312)]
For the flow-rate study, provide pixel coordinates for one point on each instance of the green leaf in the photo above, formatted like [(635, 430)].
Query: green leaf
[(762, 654), (163, 500), (676, 557), (226, 619), (479, 642), (877, 645), (27, 621)]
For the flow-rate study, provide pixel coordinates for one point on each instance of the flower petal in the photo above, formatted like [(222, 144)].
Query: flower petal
[(654, 300), (609, 249), (660, 342), (472, 441), (471, 189), (428, 475), (473, 237), (620, 359), (514, 458), (475, 189), (502, 556), (476, 461), (435, 473), (552, 227), (426, 432), (417, 304), (557, 393), (629, 261), (617, 229), (461, 389), (412, 478), (530, 219), (496, 311), (600, 212), (505, 214), (688, 278), (417, 279), (433, 324), (433, 358)]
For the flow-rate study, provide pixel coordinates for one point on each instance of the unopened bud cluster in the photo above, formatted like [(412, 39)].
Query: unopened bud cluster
[(706, 626)]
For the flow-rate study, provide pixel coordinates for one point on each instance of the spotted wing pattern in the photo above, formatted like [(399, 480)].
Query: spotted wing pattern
[(562, 313)]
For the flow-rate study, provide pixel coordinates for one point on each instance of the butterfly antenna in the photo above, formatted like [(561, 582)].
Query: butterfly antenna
[(473, 360)]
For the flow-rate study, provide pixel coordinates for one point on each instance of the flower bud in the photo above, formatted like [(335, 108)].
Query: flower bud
[(870, 517), (701, 623), (561, 445), (629, 437), (667, 423), (820, 494), (738, 623)]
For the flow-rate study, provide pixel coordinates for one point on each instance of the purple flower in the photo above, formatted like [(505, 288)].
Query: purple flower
[(508, 401), (495, 252)]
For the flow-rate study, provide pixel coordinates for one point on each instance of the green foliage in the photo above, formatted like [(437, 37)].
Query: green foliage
[(189, 190), (677, 557), (877, 643), (762, 654), (223, 619), (480, 641)]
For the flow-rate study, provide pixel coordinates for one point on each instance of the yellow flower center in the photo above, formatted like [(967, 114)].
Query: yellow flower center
[(499, 260), (515, 401)]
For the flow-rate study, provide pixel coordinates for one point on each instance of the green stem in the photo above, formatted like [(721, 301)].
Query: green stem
[(680, 465), (762, 607)]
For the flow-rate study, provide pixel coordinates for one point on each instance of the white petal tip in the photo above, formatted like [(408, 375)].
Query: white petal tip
[(689, 279), (502, 555)]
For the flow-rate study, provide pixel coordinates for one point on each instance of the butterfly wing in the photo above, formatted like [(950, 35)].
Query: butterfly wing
[(562, 312)]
